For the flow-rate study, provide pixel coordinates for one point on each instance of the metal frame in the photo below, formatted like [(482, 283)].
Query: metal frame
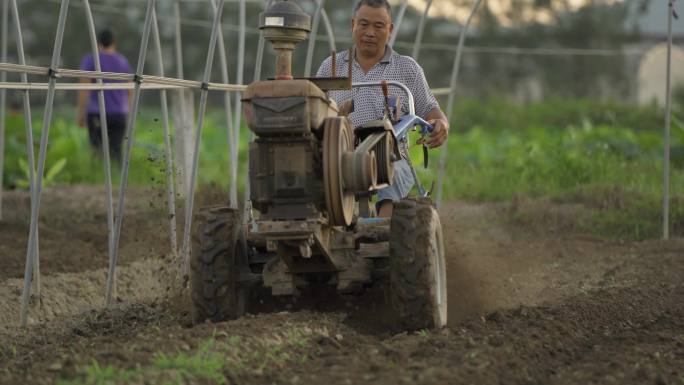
[(103, 131), (238, 111), (666, 130), (168, 153), (232, 145), (198, 136), (32, 263), (450, 101), (419, 34), (397, 23), (3, 92), (33, 254), (130, 128)]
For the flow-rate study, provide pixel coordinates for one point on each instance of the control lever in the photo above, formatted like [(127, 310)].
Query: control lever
[(385, 93), (408, 122)]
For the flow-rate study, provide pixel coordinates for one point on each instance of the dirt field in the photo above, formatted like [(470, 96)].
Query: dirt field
[(529, 303)]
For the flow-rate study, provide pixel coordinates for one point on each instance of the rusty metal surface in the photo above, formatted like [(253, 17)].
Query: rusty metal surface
[(337, 139)]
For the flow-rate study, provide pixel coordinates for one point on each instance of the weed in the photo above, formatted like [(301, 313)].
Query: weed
[(210, 362)]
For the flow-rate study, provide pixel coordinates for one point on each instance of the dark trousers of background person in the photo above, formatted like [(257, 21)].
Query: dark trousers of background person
[(116, 127)]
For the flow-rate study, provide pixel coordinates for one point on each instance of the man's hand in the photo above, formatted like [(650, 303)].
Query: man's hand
[(346, 108), (80, 120), (439, 133)]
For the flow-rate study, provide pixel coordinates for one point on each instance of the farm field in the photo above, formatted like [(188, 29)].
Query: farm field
[(532, 299)]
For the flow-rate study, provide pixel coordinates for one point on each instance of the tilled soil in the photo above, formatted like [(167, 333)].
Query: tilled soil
[(528, 304)]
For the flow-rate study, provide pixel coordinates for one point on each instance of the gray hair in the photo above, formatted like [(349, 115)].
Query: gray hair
[(374, 4)]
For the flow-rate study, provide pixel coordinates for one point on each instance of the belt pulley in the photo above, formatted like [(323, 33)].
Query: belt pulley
[(337, 139)]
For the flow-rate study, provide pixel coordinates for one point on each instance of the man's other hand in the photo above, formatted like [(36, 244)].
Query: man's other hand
[(439, 133)]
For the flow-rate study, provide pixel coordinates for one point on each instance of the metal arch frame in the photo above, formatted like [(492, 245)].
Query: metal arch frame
[(47, 120), (3, 93), (419, 34), (130, 128), (666, 129), (397, 25), (198, 136), (232, 145), (312, 39), (238, 111), (450, 101), (168, 153), (32, 262), (103, 131)]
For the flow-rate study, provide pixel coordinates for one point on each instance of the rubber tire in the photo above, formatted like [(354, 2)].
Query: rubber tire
[(417, 266), (216, 253)]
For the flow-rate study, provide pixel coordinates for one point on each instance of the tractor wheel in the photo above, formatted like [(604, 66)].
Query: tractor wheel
[(217, 256), (417, 267)]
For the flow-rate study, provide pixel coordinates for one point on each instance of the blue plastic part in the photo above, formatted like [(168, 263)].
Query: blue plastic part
[(407, 122)]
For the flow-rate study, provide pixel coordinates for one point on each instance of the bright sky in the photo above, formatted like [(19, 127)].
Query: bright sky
[(459, 9)]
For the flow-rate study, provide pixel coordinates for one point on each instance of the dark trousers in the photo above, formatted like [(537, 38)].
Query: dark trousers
[(116, 127)]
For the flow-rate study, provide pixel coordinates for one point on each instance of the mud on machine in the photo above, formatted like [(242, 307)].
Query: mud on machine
[(310, 223)]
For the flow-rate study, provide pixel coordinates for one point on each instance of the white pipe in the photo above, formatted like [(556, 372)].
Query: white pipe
[(28, 125), (130, 128), (238, 111), (3, 93), (419, 34), (450, 102), (312, 40), (170, 191), (32, 254), (232, 146), (103, 131), (666, 131), (198, 138), (397, 24)]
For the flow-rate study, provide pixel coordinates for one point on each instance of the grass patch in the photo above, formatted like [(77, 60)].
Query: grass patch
[(214, 361), (611, 162)]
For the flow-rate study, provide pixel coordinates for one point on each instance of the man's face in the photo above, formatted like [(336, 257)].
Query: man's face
[(371, 29)]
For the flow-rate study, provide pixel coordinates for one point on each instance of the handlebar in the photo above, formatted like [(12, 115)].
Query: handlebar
[(409, 95), (407, 122)]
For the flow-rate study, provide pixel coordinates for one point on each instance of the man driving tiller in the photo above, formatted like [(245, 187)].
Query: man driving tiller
[(374, 60)]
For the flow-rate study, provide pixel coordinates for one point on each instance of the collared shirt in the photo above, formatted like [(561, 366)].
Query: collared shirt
[(369, 103)]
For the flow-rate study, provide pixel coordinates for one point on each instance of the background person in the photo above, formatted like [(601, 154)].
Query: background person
[(374, 60), (116, 101)]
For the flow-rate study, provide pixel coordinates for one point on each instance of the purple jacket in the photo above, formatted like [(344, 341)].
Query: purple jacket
[(116, 101)]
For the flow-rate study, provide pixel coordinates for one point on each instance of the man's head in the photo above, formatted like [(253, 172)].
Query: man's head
[(106, 38), (372, 27)]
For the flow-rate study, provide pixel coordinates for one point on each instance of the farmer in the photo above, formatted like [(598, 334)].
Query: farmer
[(116, 101), (373, 61)]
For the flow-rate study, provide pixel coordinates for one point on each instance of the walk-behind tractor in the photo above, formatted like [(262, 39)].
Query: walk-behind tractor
[(309, 223)]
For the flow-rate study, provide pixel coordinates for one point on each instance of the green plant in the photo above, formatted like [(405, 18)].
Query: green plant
[(48, 179)]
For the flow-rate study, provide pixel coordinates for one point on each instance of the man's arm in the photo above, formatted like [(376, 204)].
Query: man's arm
[(81, 105), (441, 128), (428, 108)]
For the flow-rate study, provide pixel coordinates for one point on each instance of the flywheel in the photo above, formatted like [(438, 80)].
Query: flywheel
[(383, 153), (337, 139)]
